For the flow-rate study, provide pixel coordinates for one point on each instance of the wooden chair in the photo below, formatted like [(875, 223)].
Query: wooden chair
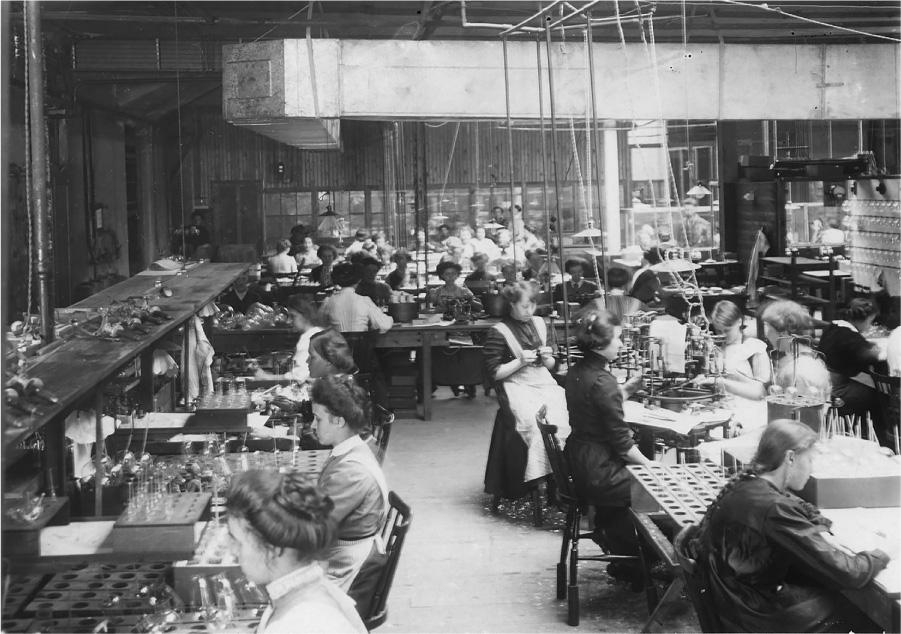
[(393, 534), (575, 509), (382, 419), (695, 582)]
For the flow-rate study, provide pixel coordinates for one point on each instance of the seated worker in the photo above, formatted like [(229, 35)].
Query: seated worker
[(401, 276), (305, 320), (454, 253), (535, 260), (645, 283), (847, 353), (787, 327), (746, 365), (441, 296), (348, 312), (374, 289), (281, 264), (351, 477), (305, 253), (767, 556), (578, 290), (242, 294), (483, 244), (329, 353), (479, 269), (322, 274), (361, 237), (282, 526), (600, 444)]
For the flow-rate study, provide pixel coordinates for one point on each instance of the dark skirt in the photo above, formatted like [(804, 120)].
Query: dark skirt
[(507, 456), (600, 475)]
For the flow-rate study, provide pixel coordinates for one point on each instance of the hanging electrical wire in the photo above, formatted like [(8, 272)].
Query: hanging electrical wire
[(765, 7)]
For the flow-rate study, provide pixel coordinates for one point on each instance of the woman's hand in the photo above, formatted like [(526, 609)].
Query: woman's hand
[(631, 386), (529, 357), (546, 351)]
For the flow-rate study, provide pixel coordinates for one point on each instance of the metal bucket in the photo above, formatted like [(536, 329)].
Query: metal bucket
[(405, 312)]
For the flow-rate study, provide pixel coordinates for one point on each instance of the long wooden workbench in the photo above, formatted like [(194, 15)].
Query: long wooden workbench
[(422, 334), (76, 367)]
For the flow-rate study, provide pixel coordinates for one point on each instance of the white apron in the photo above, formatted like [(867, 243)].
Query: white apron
[(527, 390)]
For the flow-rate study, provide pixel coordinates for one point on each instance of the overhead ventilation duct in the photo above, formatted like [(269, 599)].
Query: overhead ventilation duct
[(286, 90)]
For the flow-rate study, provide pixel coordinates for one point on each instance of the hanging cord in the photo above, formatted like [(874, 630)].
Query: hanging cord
[(577, 164), (450, 160), (28, 201), (644, 41)]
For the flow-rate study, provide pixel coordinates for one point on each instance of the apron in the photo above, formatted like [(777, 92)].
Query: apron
[(527, 390), (346, 557)]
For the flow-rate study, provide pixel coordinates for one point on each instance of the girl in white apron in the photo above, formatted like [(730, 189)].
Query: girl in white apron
[(517, 355)]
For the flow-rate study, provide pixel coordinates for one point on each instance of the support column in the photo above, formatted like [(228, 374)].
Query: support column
[(43, 241), (611, 188)]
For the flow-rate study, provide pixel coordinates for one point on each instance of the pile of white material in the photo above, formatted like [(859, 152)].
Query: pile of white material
[(844, 456)]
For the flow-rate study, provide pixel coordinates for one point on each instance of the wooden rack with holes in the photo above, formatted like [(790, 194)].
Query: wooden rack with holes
[(683, 491)]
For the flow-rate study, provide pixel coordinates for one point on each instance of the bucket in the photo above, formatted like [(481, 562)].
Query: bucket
[(405, 312)]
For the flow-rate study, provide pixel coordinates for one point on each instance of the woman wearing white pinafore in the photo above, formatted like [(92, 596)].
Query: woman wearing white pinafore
[(519, 360)]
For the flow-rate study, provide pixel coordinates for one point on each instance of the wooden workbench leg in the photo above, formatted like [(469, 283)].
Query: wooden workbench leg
[(427, 376)]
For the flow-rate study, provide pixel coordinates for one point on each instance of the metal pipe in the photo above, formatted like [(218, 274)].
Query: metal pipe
[(547, 207), (597, 163), (522, 24), (509, 149), (43, 241), (489, 25), (572, 15), (550, 85)]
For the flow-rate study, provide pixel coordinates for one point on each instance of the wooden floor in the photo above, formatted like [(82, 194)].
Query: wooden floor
[(465, 569)]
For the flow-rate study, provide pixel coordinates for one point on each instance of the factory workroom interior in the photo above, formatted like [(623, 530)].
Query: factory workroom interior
[(451, 316)]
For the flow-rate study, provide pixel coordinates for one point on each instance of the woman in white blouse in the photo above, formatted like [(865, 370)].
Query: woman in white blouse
[(306, 320), (746, 365)]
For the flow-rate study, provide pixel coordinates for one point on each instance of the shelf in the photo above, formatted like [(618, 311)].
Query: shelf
[(79, 365)]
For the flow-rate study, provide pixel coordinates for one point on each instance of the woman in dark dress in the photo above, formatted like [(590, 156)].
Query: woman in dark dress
[(763, 552), (847, 353), (518, 360), (600, 445)]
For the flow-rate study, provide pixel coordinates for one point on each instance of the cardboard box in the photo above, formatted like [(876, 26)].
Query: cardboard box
[(851, 492)]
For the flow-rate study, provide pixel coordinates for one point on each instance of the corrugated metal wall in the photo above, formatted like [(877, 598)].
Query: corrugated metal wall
[(220, 151)]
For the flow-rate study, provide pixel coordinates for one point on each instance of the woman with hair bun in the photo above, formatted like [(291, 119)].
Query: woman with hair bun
[(746, 366), (847, 353), (600, 445), (519, 359), (282, 526), (787, 327), (329, 353), (351, 476), (306, 321), (767, 555)]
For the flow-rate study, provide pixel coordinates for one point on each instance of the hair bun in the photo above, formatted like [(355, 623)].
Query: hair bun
[(299, 496)]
